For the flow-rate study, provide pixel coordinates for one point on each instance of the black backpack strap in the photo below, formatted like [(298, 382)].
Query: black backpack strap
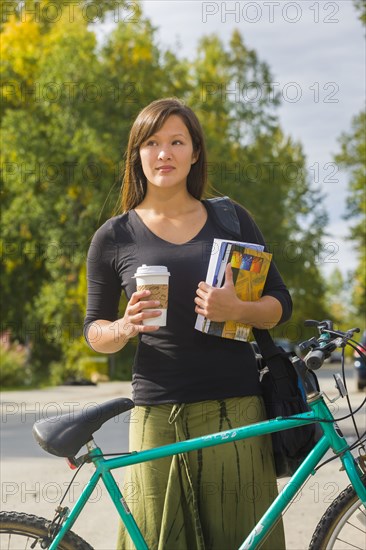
[(279, 363), (266, 344), (225, 215)]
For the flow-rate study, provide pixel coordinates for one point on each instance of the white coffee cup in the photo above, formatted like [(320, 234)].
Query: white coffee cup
[(156, 279)]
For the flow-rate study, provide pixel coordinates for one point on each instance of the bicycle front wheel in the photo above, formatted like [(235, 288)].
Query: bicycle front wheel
[(24, 531), (343, 524)]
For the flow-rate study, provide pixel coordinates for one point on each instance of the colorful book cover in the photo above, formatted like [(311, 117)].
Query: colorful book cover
[(250, 265), (219, 258)]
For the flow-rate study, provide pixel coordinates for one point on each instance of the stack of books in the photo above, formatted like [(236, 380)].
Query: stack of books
[(250, 265)]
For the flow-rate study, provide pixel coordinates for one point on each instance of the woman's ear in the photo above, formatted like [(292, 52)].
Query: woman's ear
[(195, 156)]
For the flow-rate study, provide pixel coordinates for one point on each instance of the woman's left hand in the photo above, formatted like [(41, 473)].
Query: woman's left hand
[(218, 304)]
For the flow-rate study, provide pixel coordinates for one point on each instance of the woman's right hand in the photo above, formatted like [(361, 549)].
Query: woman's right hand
[(139, 308), (111, 336)]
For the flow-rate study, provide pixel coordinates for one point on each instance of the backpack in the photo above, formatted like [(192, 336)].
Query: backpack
[(282, 388)]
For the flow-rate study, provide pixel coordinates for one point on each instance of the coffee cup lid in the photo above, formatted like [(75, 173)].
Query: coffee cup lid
[(146, 270)]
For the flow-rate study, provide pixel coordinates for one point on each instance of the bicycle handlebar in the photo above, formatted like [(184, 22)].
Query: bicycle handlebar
[(322, 347), (317, 356), (315, 359)]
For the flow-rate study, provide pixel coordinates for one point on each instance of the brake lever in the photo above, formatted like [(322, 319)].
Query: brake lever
[(312, 343), (311, 323), (326, 324)]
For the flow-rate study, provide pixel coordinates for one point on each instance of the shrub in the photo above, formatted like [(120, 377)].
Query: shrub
[(13, 363), (80, 364)]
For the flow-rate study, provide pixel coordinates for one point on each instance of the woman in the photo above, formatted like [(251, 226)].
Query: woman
[(185, 383)]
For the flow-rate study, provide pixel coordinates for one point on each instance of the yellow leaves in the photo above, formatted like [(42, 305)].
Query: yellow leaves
[(133, 54), (131, 47), (78, 292), (9, 252), (141, 53), (19, 36), (11, 265), (20, 48), (73, 28), (24, 232), (29, 48), (73, 192)]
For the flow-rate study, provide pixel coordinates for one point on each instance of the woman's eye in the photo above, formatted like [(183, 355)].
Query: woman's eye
[(153, 142)]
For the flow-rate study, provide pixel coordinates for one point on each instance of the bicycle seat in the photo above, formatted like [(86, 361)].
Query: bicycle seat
[(64, 435)]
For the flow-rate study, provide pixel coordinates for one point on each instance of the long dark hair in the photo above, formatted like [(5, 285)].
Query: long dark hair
[(147, 123)]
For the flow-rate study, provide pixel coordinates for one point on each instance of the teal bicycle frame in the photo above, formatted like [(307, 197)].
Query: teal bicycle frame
[(330, 440)]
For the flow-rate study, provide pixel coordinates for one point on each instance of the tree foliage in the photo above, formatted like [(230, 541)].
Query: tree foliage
[(360, 6), (68, 102), (260, 167), (352, 158)]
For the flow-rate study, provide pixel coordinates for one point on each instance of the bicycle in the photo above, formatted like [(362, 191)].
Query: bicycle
[(67, 434)]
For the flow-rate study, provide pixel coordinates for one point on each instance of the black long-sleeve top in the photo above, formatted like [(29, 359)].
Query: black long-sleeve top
[(177, 363)]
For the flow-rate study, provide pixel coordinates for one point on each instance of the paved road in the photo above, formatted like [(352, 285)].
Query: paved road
[(33, 482), (19, 410)]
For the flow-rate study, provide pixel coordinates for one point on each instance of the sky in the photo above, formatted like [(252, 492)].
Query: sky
[(316, 54)]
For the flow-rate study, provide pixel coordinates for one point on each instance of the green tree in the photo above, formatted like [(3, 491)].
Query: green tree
[(135, 72), (69, 102), (336, 296), (352, 158), (360, 6), (52, 161), (66, 98), (260, 167)]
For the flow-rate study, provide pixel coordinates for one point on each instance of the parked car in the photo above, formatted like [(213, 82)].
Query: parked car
[(360, 364), (335, 356)]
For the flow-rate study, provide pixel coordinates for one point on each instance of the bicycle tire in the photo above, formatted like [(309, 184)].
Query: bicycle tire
[(15, 526), (343, 524)]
